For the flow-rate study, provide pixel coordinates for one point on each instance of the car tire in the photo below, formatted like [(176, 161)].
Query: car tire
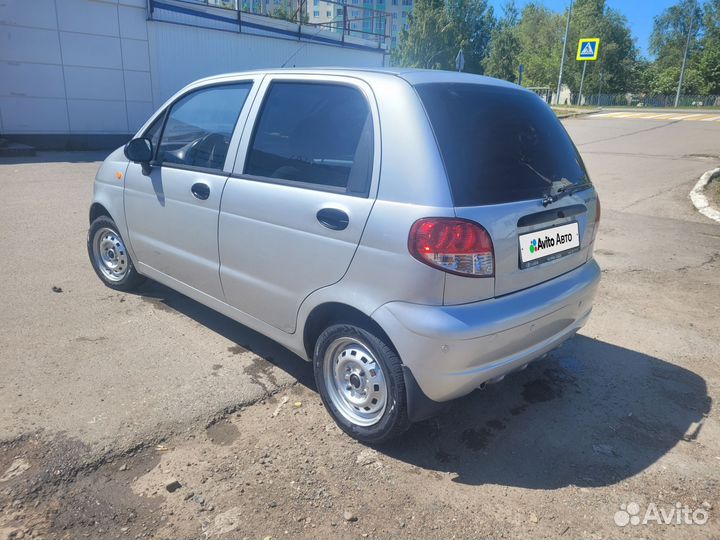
[(360, 380), (109, 256)]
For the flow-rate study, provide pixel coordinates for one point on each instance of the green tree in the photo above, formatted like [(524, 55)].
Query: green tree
[(502, 61), (438, 29), (708, 70), (667, 45), (471, 25), (708, 59), (540, 34), (282, 12), (670, 31)]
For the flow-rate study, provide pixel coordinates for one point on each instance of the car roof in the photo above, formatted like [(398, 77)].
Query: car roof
[(412, 76)]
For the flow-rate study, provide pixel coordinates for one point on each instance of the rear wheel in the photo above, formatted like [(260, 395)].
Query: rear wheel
[(360, 380), (109, 256)]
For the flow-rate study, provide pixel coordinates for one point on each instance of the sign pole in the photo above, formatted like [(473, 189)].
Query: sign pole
[(582, 80), (588, 50)]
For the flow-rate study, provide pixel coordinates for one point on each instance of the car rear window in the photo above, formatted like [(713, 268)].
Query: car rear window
[(499, 144)]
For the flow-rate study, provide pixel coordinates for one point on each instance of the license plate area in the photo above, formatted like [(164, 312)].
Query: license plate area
[(548, 244)]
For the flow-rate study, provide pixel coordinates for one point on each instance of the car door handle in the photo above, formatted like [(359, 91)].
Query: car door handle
[(333, 219), (200, 190)]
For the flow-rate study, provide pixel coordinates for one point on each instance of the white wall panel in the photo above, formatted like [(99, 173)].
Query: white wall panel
[(93, 116), (137, 86), (16, 12), (34, 115), (138, 112), (94, 83), (135, 55), (91, 17), (132, 22), (91, 51), (20, 44), (38, 80)]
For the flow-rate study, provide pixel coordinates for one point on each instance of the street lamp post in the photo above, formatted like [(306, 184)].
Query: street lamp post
[(562, 58), (687, 46)]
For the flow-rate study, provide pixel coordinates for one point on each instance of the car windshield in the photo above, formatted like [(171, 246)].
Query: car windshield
[(499, 144)]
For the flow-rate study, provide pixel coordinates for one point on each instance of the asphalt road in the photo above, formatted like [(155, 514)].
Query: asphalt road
[(92, 373)]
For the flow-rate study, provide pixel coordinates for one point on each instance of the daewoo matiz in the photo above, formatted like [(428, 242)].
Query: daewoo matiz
[(414, 234)]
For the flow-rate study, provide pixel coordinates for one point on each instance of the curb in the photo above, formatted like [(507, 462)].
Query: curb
[(699, 199), (576, 113)]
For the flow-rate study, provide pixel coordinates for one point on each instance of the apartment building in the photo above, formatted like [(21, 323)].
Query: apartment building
[(370, 19)]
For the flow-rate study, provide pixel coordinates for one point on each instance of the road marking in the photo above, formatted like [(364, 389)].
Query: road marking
[(703, 117)]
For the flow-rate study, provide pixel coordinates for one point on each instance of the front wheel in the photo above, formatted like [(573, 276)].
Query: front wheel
[(360, 381), (109, 256)]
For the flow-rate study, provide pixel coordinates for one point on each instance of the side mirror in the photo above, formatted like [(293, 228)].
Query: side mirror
[(140, 150)]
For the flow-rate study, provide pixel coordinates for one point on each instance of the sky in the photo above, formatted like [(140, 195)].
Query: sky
[(639, 13)]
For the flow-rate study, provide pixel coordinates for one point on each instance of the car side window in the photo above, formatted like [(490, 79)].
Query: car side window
[(199, 126), (317, 134)]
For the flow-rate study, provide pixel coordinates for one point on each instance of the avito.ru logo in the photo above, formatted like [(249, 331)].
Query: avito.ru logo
[(679, 514)]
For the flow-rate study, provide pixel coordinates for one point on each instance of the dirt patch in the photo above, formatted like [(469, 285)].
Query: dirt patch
[(514, 460), (59, 495)]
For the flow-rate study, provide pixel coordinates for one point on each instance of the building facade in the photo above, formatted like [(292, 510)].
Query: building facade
[(376, 18), (88, 73)]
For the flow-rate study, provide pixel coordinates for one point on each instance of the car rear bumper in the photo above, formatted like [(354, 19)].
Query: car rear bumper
[(451, 350)]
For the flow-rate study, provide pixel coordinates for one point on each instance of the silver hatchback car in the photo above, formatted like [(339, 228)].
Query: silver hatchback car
[(414, 234)]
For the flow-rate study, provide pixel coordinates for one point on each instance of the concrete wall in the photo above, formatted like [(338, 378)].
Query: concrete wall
[(182, 54), (94, 70)]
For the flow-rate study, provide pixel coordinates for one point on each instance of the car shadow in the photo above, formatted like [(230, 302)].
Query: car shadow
[(265, 348), (58, 156), (589, 414)]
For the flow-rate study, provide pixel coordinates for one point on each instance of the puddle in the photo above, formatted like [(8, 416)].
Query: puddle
[(223, 433), (476, 439), (497, 425)]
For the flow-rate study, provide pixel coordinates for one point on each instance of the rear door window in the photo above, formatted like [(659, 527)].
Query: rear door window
[(199, 126), (499, 144), (314, 134)]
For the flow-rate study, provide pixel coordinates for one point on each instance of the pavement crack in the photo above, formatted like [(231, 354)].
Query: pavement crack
[(715, 257), (649, 197), (645, 156), (615, 137)]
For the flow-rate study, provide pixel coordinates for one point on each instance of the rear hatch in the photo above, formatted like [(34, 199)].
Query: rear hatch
[(513, 169)]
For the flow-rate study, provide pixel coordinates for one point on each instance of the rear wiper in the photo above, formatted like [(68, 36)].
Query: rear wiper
[(562, 192)]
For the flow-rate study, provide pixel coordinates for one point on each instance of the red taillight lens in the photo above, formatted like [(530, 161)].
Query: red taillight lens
[(453, 245)]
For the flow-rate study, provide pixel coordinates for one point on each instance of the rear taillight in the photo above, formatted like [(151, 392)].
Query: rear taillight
[(454, 245)]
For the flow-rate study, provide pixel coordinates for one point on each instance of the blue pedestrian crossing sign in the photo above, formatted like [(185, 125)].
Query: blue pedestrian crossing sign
[(588, 49)]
